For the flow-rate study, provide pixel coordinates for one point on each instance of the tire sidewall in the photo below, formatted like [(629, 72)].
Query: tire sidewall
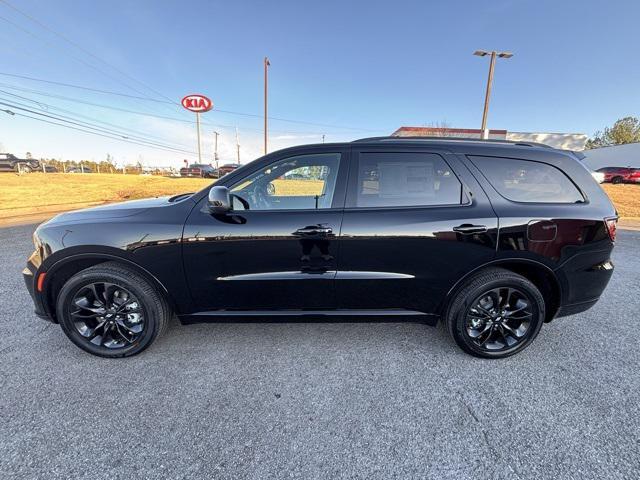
[(70, 289), (458, 319)]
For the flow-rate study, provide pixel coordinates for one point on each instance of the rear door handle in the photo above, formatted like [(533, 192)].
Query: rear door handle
[(467, 229), (314, 231)]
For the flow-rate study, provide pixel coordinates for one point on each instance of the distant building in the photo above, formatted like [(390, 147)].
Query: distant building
[(627, 155), (565, 141)]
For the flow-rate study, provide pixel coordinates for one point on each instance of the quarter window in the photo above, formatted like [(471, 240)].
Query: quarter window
[(528, 181), (406, 179)]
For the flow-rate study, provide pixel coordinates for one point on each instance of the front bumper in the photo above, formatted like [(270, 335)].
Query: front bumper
[(28, 274)]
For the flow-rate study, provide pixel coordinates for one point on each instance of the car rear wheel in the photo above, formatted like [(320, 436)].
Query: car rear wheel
[(616, 180), (111, 311), (497, 313)]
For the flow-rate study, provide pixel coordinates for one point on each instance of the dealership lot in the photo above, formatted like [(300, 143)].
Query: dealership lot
[(322, 400)]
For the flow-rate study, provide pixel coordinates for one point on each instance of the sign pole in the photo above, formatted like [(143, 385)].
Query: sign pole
[(198, 128), (197, 104)]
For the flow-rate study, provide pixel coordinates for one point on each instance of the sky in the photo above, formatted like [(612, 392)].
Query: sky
[(341, 69)]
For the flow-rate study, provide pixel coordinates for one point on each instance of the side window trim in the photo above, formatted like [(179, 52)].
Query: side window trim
[(350, 203)]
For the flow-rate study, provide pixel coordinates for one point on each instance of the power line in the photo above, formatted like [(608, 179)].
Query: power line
[(45, 106), (230, 112), (146, 97), (103, 131), (81, 48), (28, 32), (81, 87), (89, 132), (137, 112)]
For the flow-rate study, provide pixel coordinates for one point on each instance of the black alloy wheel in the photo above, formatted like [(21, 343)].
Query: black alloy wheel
[(496, 313), (107, 315), (499, 319), (111, 311)]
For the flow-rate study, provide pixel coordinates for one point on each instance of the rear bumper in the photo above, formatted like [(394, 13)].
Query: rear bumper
[(585, 278)]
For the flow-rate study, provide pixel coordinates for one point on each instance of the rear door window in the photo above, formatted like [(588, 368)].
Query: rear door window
[(403, 179), (528, 181)]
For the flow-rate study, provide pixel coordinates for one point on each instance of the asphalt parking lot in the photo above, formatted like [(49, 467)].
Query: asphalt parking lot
[(312, 400)]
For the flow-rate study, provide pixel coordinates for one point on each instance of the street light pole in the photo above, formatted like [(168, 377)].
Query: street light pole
[(266, 91), (487, 96)]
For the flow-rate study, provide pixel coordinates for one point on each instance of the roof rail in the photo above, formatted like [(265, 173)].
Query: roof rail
[(450, 139)]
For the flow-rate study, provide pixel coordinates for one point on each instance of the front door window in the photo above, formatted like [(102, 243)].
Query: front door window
[(304, 182)]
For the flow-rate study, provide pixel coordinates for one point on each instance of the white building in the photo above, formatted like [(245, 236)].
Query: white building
[(627, 155)]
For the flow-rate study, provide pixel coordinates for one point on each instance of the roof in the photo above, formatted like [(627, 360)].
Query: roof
[(429, 131), (448, 140)]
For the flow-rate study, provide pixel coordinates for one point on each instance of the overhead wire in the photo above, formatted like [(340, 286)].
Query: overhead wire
[(89, 132), (89, 126), (230, 112), (46, 106)]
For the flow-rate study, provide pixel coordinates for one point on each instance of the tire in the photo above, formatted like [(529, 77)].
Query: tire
[(131, 310), (617, 180), (503, 332), (21, 168)]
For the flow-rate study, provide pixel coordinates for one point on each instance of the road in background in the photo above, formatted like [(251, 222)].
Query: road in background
[(322, 400)]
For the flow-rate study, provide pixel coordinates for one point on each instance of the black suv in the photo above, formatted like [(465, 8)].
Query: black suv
[(492, 238), (11, 163)]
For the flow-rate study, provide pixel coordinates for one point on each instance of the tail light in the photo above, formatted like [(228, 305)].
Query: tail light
[(611, 224)]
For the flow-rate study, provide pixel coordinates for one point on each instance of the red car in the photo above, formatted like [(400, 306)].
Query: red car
[(227, 168), (621, 174)]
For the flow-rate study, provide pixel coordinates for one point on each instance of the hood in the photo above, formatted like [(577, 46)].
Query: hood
[(114, 210)]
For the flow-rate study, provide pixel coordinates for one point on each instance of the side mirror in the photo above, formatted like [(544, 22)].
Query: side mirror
[(219, 200)]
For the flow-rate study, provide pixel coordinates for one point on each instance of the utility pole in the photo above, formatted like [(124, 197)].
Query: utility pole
[(487, 97), (266, 91), (323, 138), (238, 145), (215, 148)]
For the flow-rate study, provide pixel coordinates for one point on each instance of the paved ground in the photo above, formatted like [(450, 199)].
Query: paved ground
[(322, 400)]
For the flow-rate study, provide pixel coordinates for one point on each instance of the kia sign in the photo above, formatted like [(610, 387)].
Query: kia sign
[(197, 103)]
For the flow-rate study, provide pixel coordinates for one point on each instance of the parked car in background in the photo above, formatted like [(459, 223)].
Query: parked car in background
[(11, 163), (227, 168), (491, 238), (79, 170), (50, 169), (620, 174), (198, 170)]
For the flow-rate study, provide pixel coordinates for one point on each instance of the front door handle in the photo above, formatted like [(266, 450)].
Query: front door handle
[(314, 231), (467, 229)]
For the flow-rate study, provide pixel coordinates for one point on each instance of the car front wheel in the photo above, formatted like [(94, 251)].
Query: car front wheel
[(497, 313), (111, 311)]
